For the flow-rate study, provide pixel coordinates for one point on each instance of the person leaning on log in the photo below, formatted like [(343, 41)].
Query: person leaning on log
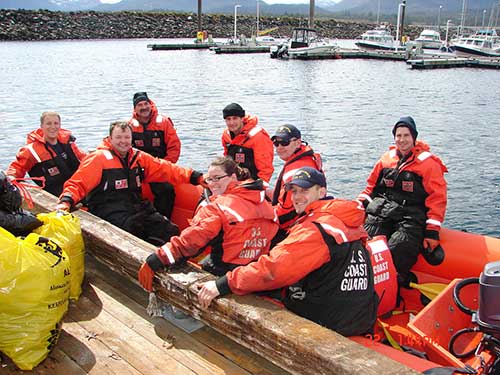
[(405, 198), (51, 152), (238, 223), (111, 179), (155, 134), (322, 265), (247, 143)]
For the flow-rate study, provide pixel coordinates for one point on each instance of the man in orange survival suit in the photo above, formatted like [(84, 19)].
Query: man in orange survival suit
[(155, 134), (247, 143), (111, 179), (405, 198), (322, 263), (51, 152), (296, 154)]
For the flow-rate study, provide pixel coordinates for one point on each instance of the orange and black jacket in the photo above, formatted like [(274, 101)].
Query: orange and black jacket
[(304, 156), (252, 148), (40, 159), (113, 185), (416, 180), (322, 264), (238, 225), (158, 137)]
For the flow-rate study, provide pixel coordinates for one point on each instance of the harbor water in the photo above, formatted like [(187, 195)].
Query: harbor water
[(345, 108)]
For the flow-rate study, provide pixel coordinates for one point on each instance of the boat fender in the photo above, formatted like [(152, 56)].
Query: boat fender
[(434, 257)]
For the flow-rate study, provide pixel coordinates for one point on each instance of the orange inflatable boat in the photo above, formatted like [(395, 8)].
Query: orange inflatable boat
[(438, 322)]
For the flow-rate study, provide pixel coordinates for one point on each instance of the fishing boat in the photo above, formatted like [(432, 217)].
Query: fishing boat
[(303, 43), (300, 346), (430, 39), (484, 42)]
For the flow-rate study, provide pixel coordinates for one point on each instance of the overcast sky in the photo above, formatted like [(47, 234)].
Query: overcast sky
[(267, 1)]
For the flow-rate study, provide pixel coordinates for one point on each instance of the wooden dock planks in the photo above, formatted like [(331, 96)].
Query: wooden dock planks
[(289, 341), (109, 332)]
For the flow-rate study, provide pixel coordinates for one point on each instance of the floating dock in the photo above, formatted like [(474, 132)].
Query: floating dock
[(179, 46), (352, 54), (443, 63), (240, 49), (415, 60)]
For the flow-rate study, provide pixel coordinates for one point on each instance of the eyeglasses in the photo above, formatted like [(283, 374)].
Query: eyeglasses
[(209, 180), (276, 143)]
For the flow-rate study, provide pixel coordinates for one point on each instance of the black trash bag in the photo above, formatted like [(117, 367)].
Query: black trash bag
[(10, 196), (19, 223)]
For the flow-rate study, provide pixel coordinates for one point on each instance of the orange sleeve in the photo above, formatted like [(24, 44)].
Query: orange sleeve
[(172, 140), (224, 142), (371, 182), (302, 252), (263, 152), (23, 163), (159, 170), (85, 179), (205, 226), (435, 185), (79, 153)]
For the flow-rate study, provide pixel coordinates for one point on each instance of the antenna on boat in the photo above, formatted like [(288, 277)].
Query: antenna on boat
[(401, 22), (378, 12), (311, 13), (462, 18)]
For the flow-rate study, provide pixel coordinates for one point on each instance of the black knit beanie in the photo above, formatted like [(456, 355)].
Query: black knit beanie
[(406, 122), (233, 109), (139, 97)]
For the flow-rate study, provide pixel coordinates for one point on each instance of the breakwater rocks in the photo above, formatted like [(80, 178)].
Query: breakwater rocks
[(48, 25)]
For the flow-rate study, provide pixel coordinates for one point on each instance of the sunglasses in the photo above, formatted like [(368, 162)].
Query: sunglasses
[(276, 143), (215, 179)]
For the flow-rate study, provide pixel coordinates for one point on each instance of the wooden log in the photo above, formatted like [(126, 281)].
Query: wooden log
[(293, 343)]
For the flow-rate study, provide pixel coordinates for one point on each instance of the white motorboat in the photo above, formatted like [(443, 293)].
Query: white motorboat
[(378, 38), (430, 39), (303, 43), (482, 43)]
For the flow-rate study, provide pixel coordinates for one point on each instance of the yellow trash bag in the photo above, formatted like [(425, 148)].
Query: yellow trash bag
[(34, 296), (64, 229)]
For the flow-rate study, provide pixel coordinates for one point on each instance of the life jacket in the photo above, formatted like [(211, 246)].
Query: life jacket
[(303, 157), (238, 226), (384, 274), (55, 166), (150, 141), (242, 148), (244, 157), (340, 294), (152, 137), (119, 191), (248, 226)]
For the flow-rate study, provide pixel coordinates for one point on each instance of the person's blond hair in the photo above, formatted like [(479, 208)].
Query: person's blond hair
[(49, 113)]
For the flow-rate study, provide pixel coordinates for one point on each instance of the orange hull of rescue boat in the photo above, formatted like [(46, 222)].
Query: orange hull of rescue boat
[(432, 326), (466, 254), (428, 329), (187, 197)]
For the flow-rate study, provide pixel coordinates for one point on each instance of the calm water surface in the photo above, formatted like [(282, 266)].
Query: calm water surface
[(345, 108)]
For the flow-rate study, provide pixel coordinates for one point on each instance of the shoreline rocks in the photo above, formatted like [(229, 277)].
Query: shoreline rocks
[(29, 25)]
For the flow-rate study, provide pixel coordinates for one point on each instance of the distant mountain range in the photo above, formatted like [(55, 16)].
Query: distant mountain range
[(345, 8)]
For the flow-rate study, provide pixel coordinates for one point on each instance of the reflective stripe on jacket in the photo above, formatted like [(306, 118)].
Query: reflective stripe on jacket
[(238, 224), (417, 181), (39, 159), (158, 138)]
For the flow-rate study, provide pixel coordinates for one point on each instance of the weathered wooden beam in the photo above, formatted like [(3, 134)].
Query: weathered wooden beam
[(291, 342)]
